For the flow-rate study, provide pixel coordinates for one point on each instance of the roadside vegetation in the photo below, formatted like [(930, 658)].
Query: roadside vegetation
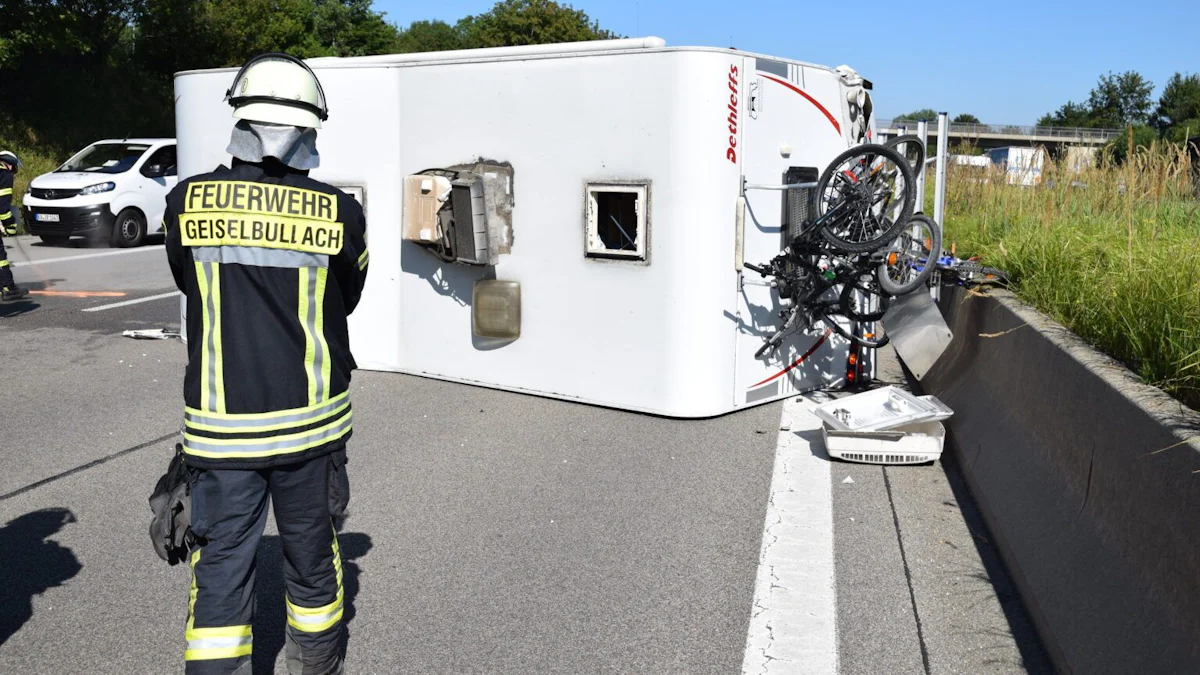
[(78, 71), (1112, 252)]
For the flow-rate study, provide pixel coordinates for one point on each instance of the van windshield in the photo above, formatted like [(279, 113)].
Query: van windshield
[(105, 158)]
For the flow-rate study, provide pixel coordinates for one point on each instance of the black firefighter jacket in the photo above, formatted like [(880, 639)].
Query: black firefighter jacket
[(271, 262)]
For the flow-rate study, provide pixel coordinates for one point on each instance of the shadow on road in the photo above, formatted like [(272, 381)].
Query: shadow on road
[(18, 308), (270, 616), (30, 564)]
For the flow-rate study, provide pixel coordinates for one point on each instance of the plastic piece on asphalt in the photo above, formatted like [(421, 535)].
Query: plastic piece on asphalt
[(881, 409), (150, 334)]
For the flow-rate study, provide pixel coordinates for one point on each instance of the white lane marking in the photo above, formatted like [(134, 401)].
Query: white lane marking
[(793, 625), (85, 256), (136, 301)]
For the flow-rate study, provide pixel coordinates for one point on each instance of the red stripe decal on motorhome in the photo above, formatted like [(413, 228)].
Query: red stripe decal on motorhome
[(789, 85), (816, 345)]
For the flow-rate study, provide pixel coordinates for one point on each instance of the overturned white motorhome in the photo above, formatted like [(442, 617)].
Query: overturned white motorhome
[(570, 220)]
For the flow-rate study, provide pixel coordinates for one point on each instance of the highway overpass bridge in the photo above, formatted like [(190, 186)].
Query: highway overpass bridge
[(988, 136)]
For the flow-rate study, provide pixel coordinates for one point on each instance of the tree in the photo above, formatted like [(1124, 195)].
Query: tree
[(430, 36), (966, 118), (918, 115), (1070, 114), (529, 22), (1143, 137), (1179, 104), (352, 28), (1120, 100)]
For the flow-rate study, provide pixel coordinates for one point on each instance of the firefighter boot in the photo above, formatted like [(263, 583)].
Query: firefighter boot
[(13, 293)]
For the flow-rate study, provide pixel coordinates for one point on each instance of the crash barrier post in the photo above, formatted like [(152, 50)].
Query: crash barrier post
[(943, 155), (1087, 479), (923, 134)]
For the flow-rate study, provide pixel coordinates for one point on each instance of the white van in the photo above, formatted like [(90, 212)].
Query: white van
[(112, 190)]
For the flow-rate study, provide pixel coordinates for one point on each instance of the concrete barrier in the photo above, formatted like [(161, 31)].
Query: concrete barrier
[(1087, 478)]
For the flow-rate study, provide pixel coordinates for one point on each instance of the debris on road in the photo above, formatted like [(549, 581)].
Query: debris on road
[(150, 334), (884, 426)]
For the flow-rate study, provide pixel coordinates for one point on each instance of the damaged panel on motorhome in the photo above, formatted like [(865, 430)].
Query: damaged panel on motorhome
[(603, 183)]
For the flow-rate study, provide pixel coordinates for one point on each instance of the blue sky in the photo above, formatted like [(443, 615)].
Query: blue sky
[(1007, 62)]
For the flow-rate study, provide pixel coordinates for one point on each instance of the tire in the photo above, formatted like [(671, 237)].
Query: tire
[(55, 240), (898, 274), (129, 228), (866, 226), (846, 299), (910, 148)]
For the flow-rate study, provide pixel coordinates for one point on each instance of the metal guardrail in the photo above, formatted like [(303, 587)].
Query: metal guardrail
[(1066, 133)]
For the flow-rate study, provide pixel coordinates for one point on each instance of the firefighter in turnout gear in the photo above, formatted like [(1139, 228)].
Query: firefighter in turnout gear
[(271, 262), (9, 164)]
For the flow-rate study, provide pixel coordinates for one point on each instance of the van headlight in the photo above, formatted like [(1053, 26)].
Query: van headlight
[(98, 188)]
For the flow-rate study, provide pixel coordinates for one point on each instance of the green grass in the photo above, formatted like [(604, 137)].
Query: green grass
[(1112, 253)]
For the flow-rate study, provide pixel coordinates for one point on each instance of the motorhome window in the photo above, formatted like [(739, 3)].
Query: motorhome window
[(616, 221), (109, 158)]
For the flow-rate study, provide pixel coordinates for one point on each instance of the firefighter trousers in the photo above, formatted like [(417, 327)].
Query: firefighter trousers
[(6, 277), (229, 512)]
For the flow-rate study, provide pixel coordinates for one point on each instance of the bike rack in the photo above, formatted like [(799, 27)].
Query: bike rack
[(788, 186)]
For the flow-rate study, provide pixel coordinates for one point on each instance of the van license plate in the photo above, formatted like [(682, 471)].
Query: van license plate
[(46, 217)]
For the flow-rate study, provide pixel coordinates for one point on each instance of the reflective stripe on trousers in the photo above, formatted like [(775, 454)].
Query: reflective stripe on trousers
[(221, 642), (320, 619)]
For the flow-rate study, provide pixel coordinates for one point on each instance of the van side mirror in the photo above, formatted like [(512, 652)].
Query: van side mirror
[(153, 170)]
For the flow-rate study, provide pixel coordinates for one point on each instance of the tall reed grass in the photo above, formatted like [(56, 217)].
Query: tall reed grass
[(1111, 251)]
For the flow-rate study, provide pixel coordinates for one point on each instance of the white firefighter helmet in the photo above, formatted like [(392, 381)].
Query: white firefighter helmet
[(10, 158), (278, 89)]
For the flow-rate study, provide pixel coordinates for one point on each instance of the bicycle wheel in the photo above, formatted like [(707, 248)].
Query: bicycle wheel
[(910, 148), (874, 339), (910, 260), (864, 197), (863, 300)]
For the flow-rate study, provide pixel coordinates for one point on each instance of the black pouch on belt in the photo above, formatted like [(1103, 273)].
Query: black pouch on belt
[(337, 484), (171, 504)]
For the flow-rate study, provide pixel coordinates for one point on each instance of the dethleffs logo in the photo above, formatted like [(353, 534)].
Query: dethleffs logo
[(731, 152)]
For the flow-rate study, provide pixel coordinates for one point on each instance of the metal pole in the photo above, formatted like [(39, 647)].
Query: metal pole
[(923, 134), (939, 185)]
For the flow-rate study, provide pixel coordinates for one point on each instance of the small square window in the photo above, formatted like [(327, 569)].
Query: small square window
[(616, 221)]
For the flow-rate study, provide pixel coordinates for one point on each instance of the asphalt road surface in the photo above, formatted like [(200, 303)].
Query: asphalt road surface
[(490, 532)]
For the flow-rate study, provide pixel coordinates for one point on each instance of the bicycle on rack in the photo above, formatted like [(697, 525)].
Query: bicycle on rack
[(832, 267)]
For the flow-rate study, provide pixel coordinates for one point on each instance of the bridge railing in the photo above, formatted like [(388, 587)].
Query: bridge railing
[(1065, 133)]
